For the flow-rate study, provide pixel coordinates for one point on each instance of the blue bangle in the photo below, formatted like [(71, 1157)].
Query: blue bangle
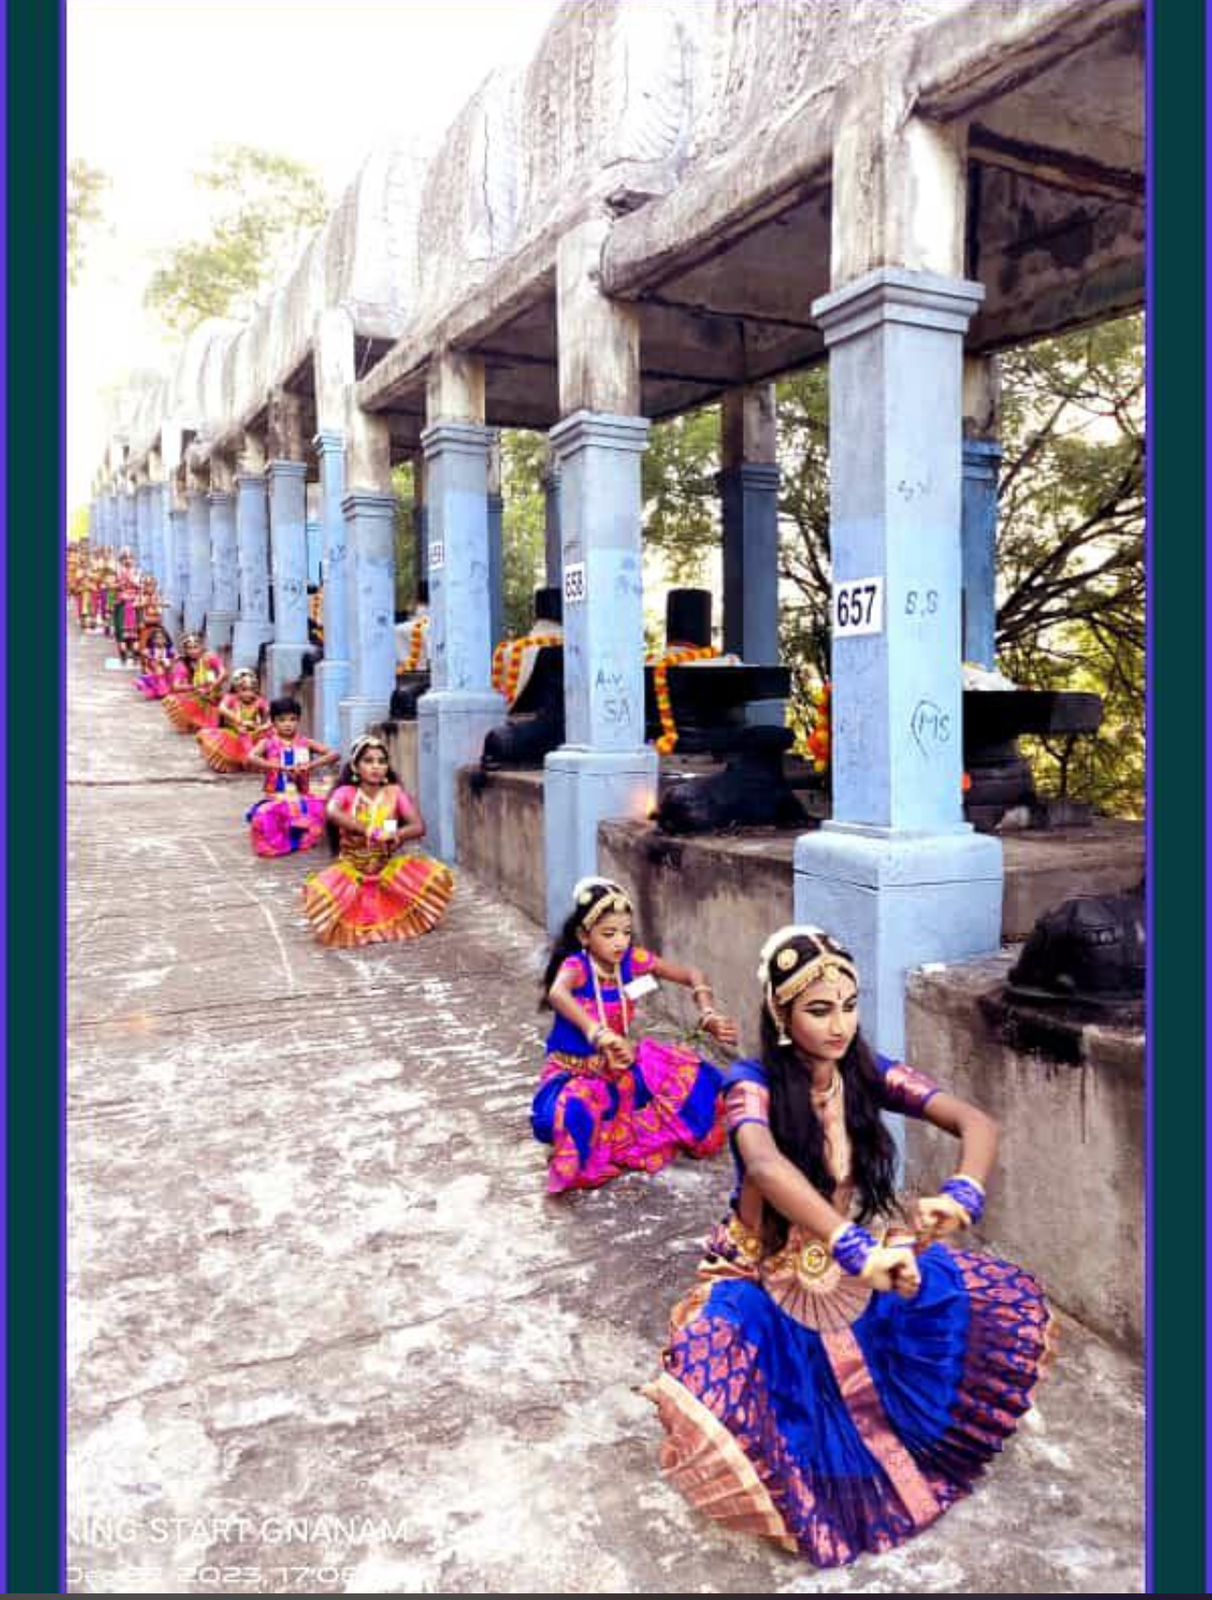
[(965, 1193), (851, 1249)]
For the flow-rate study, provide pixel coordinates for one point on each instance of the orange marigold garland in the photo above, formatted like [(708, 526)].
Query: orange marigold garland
[(508, 657), (667, 743), (416, 645), (820, 737)]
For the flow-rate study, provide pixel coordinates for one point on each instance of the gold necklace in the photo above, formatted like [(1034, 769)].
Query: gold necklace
[(822, 1097)]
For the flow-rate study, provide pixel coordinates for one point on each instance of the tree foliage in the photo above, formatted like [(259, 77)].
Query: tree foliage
[(261, 206), (85, 185)]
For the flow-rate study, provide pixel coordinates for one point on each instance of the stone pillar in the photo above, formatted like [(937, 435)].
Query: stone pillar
[(253, 629), (461, 706), (142, 527), (551, 516), (155, 518), (287, 479), (897, 874), (127, 533), (369, 510), (604, 769), (178, 544), (198, 593), (333, 675), (225, 573), (496, 533), (314, 535), (749, 504), (978, 537), (420, 519)]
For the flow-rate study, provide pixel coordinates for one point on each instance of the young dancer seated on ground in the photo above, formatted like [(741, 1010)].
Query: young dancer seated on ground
[(610, 1101), (197, 678), (378, 889), (289, 818), (243, 720), (156, 658), (837, 1379)]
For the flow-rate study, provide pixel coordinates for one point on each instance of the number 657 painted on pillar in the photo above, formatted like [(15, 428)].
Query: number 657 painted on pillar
[(857, 607)]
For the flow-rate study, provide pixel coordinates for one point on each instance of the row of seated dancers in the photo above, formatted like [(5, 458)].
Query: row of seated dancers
[(838, 1376)]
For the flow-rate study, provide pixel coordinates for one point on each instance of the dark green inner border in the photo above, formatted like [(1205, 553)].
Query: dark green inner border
[(1179, 802), (35, 533)]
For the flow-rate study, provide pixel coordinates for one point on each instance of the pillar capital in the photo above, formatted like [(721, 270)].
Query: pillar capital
[(247, 481), (328, 440), (219, 498), (982, 459), (286, 470), (750, 475), (467, 438), (604, 429), (895, 294), (368, 502)]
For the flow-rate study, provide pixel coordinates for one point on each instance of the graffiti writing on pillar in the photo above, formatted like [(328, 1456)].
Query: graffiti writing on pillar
[(912, 488), (930, 726), (921, 603), (614, 702)]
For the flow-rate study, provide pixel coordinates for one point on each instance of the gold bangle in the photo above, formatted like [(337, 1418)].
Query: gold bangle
[(700, 988)]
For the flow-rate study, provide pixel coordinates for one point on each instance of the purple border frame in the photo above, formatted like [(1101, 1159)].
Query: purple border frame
[(1150, 877), (3, 816)]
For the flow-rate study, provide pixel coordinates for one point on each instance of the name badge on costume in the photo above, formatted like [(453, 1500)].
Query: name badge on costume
[(639, 987)]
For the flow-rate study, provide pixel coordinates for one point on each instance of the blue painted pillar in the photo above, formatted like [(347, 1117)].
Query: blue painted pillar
[(982, 461), (314, 551), (253, 627), (604, 769), (113, 521), (142, 543), (420, 519), (155, 532), (496, 535), (551, 519), (225, 581), (749, 504), (334, 673), (461, 706), (128, 533), (178, 547), (897, 874), (370, 532), (288, 556), (197, 597)]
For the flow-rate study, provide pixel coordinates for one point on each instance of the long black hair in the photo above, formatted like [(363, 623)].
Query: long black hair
[(349, 776), (796, 1128)]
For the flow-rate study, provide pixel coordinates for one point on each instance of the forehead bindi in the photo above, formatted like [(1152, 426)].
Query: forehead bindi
[(832, 991)]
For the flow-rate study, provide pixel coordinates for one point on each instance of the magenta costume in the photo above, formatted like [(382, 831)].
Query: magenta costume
[(600, 1122), (288, 819)]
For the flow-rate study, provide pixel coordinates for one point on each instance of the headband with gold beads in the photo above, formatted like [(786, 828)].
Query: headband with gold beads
[(785, 970), (364, 742), (594, 897)]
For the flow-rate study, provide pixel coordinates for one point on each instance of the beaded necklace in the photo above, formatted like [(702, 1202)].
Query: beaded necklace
[(597, 994)]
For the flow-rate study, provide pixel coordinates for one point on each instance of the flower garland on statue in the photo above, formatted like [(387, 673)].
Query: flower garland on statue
[(508, 657), (416, 644), (677, 657), (820, 738)]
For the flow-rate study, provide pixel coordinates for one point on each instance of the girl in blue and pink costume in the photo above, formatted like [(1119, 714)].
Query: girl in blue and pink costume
[(609, 1103), (836, 1380)]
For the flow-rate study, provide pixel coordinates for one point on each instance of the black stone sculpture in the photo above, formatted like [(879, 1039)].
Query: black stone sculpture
[(752, 790)]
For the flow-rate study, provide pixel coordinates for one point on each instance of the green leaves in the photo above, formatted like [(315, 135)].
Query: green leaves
[(85, 184), (264, 206)]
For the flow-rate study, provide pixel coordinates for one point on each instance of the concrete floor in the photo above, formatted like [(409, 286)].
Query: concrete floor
[(326, 1333)]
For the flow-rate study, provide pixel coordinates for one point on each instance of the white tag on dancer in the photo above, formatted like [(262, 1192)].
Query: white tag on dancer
[(638, 987)]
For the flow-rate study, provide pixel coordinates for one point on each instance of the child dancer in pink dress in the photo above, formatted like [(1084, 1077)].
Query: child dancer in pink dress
[(289, 818), (609, 1102), (243, 719)]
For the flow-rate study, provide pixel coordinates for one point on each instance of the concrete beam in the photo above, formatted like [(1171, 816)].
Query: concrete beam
[(599, 340)]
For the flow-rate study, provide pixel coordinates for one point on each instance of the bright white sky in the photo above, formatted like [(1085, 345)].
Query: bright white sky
[(153, 87)]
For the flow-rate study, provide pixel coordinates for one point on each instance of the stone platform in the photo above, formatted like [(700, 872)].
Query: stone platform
[(327, 1335)]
